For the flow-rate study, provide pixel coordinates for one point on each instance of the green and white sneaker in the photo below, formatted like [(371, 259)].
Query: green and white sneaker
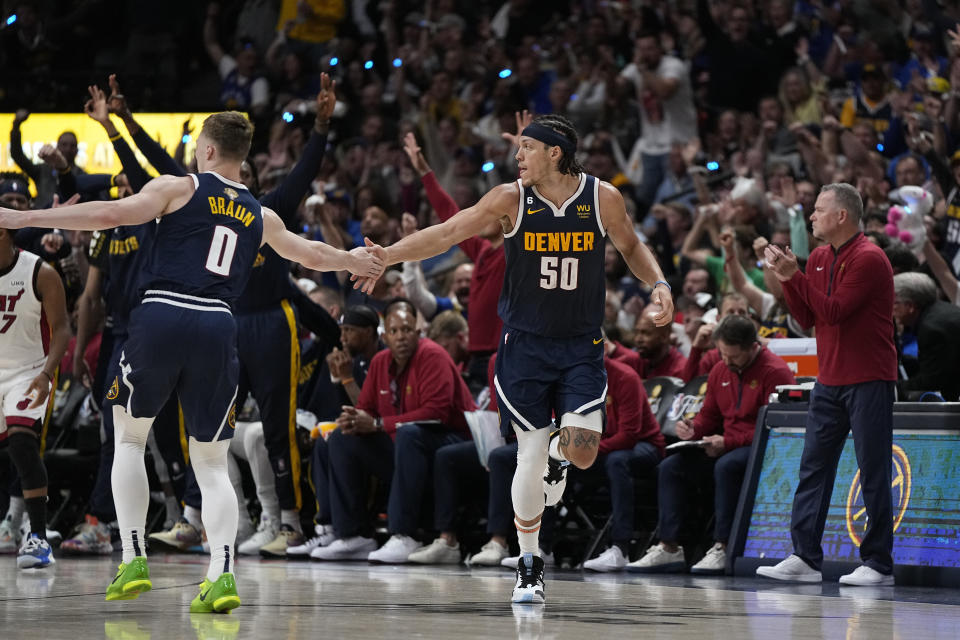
[(219, 596), (132, 579)]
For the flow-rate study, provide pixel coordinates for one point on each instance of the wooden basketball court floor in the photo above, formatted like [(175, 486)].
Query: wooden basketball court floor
[(291, 600)]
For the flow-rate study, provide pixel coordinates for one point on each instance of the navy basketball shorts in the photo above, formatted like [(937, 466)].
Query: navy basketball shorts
[(538, 379), (186, 345)]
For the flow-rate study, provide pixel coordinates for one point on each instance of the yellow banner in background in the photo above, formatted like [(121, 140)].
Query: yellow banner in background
[(95, 152)]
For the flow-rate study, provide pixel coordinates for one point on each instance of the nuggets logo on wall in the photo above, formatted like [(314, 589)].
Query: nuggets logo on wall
[(900, 490), (114, 390), (232, 417)]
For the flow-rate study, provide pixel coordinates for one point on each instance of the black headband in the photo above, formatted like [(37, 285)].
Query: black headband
[(550, 137), (361, 316)]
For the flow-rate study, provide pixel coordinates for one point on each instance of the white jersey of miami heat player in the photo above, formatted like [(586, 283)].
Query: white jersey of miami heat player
[(24, 335)]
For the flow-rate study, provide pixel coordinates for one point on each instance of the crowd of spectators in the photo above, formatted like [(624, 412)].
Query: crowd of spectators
[(719, 122)]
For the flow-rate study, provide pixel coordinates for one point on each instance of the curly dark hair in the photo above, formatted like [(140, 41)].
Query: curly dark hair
[(568, 162)]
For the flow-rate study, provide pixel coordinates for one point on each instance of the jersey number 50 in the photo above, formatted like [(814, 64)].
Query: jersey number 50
[(222, 247), (569, 268)]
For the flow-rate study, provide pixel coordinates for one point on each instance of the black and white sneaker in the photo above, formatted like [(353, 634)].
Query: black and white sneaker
[(529, 588), (554, 481)]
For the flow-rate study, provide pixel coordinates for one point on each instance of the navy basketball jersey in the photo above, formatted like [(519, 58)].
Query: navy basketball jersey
[(269, 282), (120, 253), (554, 282), (207, 247)]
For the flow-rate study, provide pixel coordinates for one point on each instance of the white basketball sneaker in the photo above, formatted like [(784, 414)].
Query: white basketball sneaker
[(266, 532)]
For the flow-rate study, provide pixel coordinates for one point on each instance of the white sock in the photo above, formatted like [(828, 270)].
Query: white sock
[(291, 517), (263, 477), (16, 509), (528, 537), (131, 489), (193, 515), (221, 557), (527, 488), (220, 509)]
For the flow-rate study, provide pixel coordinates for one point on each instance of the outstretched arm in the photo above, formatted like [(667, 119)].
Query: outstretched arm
[(318, 255), (152, 202), (498, 203), (638, 257)]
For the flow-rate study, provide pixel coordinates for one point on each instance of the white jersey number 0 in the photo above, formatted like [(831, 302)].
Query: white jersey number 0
[(221, 251)]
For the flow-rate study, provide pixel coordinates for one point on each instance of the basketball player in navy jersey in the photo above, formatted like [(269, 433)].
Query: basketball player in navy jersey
[(550, 358), (182, 336)]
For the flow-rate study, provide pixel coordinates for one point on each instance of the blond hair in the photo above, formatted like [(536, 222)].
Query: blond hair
[(230, 132)]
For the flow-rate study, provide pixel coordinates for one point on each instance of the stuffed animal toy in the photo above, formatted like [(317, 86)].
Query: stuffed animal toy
[(905, 219)]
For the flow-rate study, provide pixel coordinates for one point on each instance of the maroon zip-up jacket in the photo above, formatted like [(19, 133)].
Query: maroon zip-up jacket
[(733, 400), (847, 294), (429, 388), (629, 418)]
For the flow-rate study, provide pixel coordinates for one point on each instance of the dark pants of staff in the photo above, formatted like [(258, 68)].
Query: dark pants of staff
[(353, 460), (867, 410), (458, 480), (416, 447), (619, 470), (680, 469), (407, 462), (320, 476)]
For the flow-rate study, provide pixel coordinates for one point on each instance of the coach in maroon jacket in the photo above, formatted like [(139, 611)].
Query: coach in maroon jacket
[(847, 294)]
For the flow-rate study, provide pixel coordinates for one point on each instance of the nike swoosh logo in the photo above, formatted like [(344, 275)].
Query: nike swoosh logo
[(724, 384), (819, 268), (598, 341), (529, 211), (203, 596), (384, 391)]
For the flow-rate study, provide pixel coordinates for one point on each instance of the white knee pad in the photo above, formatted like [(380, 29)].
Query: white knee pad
[(130, 430), (592, 421), (208, 455), (527, 490)]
